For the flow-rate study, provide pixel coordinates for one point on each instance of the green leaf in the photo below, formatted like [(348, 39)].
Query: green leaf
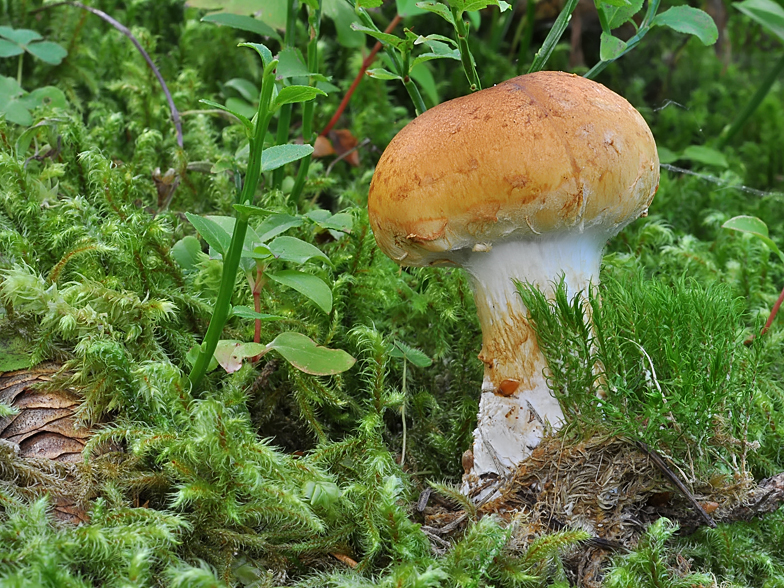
[(240, 117), (293, 94), (252, 239), (187, 252), (341, 221), (766, 12), (306, 284), (380, 73), (691, 21), (16, 112), (240, 107), (250, 210), (46, 96), (471, 6), (369, 3), (666, 155), (553, 37), (423, 57), (706, 155), (264, 53), (408, 8), (21, 37), (9, 49), (291, 64), (611, 47), (321, 494), (422, 75), (342, 15), (249, 313), (215, 235), (49, 52), (243, 23), (753, 226), (385, 38), (619, 13), (318, 215), (245, 88), (259, 252), (437, 8), (295, 250), (411, 354), (193, 353), (230, 353), (277, 224), (303, 353), (279, 155)]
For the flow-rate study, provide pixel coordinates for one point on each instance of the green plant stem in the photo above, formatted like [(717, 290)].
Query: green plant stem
[(408, 83), (555, 34), (461, 32), (403, 415), (284, 118), (307, 108), (19, 70), (752, 105), (653, 8), (525, 32), (231, 261)]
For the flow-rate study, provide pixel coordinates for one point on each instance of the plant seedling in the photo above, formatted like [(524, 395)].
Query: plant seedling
[(400, 350), (751, 225), (234, 241), (15, 103), (263, 247)]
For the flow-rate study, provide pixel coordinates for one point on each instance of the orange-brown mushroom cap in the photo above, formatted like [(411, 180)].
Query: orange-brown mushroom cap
[(538, 154)]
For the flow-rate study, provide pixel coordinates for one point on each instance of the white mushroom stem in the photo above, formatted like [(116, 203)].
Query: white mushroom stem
[(516, 402)]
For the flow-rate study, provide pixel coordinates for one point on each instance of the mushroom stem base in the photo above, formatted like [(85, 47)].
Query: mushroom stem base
[(516, 404)]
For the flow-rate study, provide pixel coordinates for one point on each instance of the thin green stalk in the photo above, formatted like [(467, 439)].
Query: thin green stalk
[(408, 83), (403, 415), (653, 8), (19, 70), (307, 108), (752, 105), (281, 138), (525, 33), (232, 259), (465, 51), (559, 26), (284, 118)]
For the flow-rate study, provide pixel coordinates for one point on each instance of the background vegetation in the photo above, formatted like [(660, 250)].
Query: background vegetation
[(273, 476)]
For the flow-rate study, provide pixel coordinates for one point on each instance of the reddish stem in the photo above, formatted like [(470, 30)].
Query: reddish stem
[(773, 313), (771, 318), (365, 65), (257, 303)]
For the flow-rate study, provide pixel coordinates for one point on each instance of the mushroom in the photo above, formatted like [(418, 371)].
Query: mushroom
[(525, 181)]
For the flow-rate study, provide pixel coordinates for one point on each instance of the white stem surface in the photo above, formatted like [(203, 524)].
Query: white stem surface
[(516, 403)]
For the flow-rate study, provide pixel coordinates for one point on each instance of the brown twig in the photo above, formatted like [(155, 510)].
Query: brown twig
[(365, 65), (770, 320), (126, 31), (670, 475)]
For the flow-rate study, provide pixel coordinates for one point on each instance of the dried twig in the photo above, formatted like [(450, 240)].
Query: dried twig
[(126, 31), (365, 65), (670, 475)]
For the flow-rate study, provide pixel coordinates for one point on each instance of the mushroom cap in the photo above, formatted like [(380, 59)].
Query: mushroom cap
[(536, 155)]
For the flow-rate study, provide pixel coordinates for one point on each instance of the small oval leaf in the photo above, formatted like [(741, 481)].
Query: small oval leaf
[(303, 353), (306, 284), (689, 20), (212, 232), (295, 250), (274, 157)]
